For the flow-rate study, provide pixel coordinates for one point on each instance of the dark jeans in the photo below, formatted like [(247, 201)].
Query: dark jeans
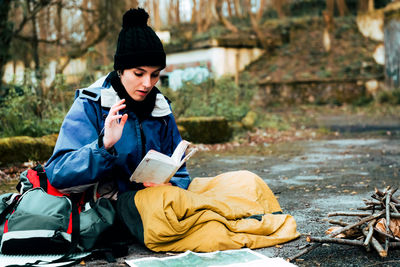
[(128, 226)]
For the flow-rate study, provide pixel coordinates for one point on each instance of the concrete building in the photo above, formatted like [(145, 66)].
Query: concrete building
[(212, 58)]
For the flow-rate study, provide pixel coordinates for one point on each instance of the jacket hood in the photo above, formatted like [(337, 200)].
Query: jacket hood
[(109, 96)]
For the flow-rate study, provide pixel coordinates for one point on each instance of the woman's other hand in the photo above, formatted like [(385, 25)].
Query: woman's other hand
[(150, 184), (114, 125)]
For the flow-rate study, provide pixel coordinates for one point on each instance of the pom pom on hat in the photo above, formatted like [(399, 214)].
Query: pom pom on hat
[(135, 17), (138, 45)]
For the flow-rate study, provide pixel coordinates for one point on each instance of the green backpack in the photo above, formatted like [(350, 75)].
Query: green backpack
[(37, 222)]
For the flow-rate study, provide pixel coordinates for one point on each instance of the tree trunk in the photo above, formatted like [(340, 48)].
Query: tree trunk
[(199, 13), (261, 10), (326, 37), (224, 21), (132, 4), (156, 15), (371, 5), (5, 38), (255, 25), (35, 43), (170, 12), (278, 5), (392, 49), (193, 17), (342, 7), (362, 6), (330, 7), (238, 9), (59, 22), (177, 12), (228, 4)]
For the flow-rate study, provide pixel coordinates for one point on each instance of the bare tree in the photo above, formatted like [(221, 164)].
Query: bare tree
[(229, 7), (156, 15), (341, 5), (238, 8), (365, 6), (174, 16), (59, 30), (255, 24), (223, 19), (261, 10), (5, 37), (34, 39), (328, 28), (193, 17), (279, 7)]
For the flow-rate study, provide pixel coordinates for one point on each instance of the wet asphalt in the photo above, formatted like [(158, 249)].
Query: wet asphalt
[(311, 178)]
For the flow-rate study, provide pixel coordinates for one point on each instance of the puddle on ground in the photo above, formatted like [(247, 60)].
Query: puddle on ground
[(319, 154), (291, 167), (341, 202), (239, 160), (355, 142), (308, 178), (322, 157), (308, 163)]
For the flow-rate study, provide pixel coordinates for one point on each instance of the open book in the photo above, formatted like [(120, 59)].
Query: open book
[(158, 168)]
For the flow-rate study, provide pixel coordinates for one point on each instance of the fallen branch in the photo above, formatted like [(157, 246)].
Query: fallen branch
[(386, 234), (341, 223), (393, 206), (360, 222), (382, 194), (384, 207), (343, 213), (304, 251), (371, 203), (342, 230), (376, 245), (368, 236), (335, 240), (387, 205)]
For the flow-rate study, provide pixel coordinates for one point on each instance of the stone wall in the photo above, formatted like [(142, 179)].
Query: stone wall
[(316, 91)]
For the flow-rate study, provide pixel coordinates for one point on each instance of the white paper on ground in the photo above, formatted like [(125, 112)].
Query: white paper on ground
[(25, 259), (228, 258)]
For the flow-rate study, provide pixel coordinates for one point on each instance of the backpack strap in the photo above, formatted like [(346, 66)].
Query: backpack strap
[(42, 177), (75, 198), (9, 208)]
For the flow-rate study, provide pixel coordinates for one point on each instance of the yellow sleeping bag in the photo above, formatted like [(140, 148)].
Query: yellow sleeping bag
[(211, 214)]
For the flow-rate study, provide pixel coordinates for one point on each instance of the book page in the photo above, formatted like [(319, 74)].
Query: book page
[(153, 154), (180, 150), (187, 157), (159, 168), (154, 170)]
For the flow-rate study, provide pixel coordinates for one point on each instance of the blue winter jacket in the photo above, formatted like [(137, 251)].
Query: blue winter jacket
[(78, 161)]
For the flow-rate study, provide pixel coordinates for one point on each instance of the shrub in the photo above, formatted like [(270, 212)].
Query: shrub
[(24, 148), (389, 97), (205, 130), (31, 113), (220, 97)]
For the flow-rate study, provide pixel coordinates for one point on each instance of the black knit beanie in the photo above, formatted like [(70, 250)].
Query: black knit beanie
[(138, 45)]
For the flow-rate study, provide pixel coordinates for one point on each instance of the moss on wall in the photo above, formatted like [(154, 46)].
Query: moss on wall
[(206, 130), (25, 148)]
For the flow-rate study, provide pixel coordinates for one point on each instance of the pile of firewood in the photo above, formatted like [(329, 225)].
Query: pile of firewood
[(378, 226)]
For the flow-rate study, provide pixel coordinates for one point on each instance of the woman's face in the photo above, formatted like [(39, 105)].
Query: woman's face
[(139, 81)]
